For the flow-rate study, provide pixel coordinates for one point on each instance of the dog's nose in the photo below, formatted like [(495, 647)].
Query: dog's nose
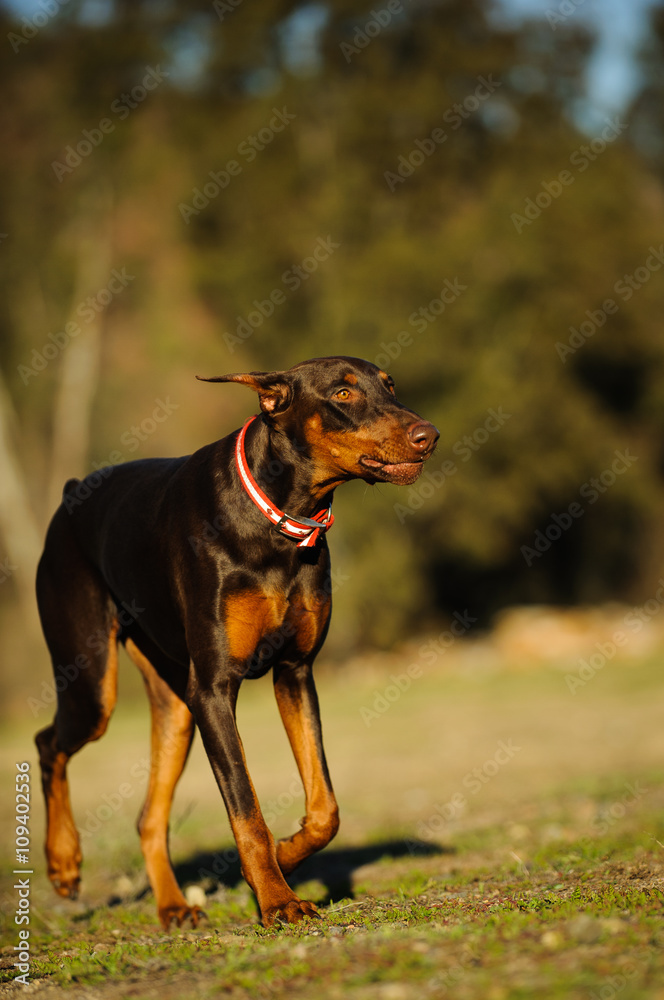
[(423, 435)]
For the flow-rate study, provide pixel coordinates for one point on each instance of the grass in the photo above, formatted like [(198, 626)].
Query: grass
[(461, 869)]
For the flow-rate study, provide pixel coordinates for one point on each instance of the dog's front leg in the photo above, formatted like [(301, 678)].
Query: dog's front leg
[(213, 706), (298, 704)]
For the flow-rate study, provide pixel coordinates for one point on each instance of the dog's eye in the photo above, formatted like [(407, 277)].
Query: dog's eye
[(390, 385), (342, 394)]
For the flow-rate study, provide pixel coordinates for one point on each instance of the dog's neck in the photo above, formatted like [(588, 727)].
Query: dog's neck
[(285, 472)]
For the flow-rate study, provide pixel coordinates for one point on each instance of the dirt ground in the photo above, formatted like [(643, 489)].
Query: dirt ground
[(501, 836)]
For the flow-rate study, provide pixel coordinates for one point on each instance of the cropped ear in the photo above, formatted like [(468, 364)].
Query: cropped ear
[(273, 388)]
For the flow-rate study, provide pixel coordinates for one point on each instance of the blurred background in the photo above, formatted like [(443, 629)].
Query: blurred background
[(468, 193)]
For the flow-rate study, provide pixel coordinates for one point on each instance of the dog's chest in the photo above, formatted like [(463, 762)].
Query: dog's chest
[(259, 623)]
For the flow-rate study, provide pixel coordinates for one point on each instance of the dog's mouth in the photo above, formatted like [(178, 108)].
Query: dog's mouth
[(399, 473)]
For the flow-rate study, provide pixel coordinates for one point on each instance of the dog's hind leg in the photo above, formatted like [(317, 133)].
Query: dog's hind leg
[(79, 619), (172, 733)]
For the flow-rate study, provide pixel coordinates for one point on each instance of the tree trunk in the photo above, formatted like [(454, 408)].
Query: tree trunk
[(79, 363), (18, 526)]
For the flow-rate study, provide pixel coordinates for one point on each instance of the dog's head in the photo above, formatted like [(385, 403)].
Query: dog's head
[(343, 414)]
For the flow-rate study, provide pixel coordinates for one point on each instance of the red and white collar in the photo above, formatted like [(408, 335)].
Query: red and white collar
[(306, 530)]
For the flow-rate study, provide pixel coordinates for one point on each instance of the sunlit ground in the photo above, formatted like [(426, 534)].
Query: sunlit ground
[(502, 772)]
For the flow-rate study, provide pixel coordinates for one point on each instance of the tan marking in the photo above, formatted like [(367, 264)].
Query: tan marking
[(350, 378), (258, 855), (172, 727), (339, 452), (314, 423), (171, 735), (249, 616), (63, 849), (109, 683), (308, 616), (322, 814)]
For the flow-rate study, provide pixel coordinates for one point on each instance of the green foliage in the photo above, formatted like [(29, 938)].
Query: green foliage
[(329, 173)]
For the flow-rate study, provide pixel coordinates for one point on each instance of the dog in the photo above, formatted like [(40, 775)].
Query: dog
[(125, 561)]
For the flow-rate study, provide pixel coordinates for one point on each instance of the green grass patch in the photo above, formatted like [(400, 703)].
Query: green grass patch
[(548, 882)]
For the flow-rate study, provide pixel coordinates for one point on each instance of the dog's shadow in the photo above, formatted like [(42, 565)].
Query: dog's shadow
[(333, 867)]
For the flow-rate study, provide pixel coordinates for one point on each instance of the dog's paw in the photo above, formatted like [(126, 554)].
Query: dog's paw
[(289, 912), (180, 914), (66, 887)]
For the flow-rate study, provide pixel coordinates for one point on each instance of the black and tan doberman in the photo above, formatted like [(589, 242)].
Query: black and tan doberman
[(212, 568)]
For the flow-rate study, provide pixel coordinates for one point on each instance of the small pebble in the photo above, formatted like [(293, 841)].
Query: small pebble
[(194, 895), (393, 991), (584, 928), (551, 940)]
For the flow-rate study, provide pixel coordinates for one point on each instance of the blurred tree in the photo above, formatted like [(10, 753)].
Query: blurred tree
[(473, 240)]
